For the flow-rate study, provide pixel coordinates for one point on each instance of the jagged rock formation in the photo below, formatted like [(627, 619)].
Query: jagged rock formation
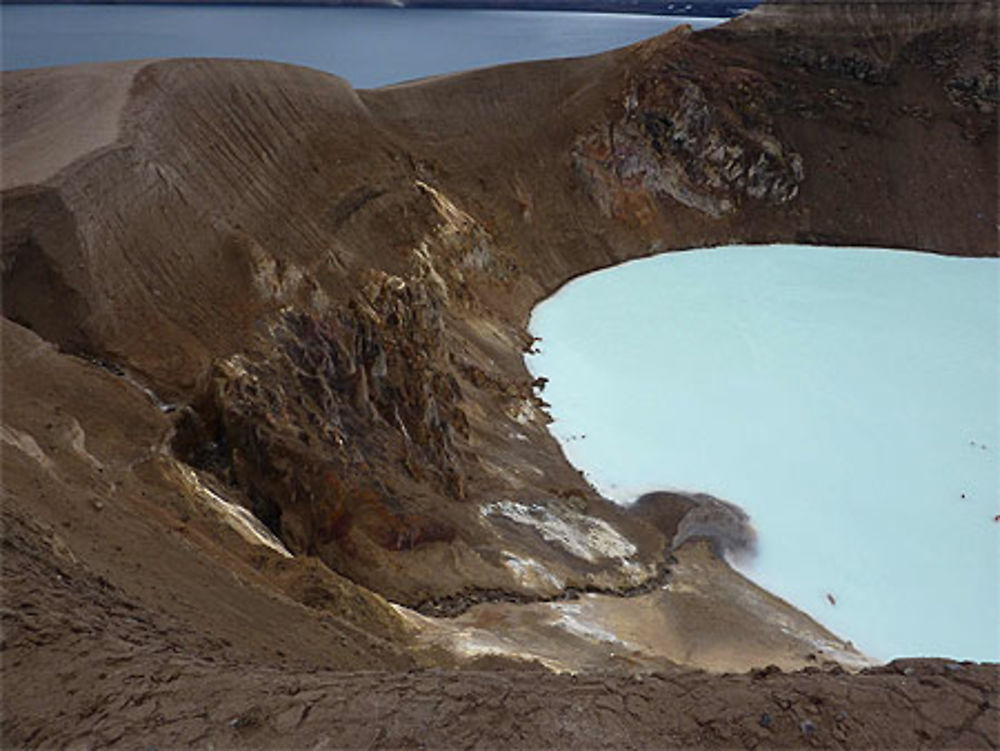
[(244, 285), (671, 143)]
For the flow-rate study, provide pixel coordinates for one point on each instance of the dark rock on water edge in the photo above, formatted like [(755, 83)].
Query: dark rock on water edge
[(697, 516), (264, 395)]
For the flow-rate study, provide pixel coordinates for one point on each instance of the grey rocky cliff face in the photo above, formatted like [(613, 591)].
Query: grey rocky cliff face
[(710, 152)]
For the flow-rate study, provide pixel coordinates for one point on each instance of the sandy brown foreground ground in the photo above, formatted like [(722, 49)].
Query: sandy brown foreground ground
[(127, 676)]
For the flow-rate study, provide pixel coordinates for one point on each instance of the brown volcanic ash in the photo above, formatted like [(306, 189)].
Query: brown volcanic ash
[(246, 283)]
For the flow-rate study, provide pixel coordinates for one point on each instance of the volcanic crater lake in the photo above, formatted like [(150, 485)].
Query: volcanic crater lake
[(846, 398)]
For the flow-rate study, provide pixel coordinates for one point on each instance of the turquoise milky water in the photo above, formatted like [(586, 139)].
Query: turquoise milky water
[(847, 399)]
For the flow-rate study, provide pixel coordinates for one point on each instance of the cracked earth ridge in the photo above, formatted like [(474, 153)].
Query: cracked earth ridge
[(129, 672)]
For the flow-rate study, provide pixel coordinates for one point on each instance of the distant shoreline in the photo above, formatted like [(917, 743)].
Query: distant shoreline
[(696, 8)]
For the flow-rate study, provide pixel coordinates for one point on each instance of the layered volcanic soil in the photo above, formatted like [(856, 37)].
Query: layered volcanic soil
[(274, 471)]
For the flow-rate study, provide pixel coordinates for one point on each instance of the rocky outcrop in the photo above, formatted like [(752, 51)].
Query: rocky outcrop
[(671, 143), (314, 426), (872, 43)]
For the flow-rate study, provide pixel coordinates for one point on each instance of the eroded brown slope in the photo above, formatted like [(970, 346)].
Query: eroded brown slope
[(92, 493), (279, 275)]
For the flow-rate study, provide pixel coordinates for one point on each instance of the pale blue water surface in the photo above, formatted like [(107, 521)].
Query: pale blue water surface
[(846, 398), (367, 46)]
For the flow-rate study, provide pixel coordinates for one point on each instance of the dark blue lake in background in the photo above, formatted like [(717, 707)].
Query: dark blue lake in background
[(367, 46)]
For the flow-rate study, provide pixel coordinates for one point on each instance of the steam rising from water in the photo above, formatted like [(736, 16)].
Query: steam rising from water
[(724, 525)]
